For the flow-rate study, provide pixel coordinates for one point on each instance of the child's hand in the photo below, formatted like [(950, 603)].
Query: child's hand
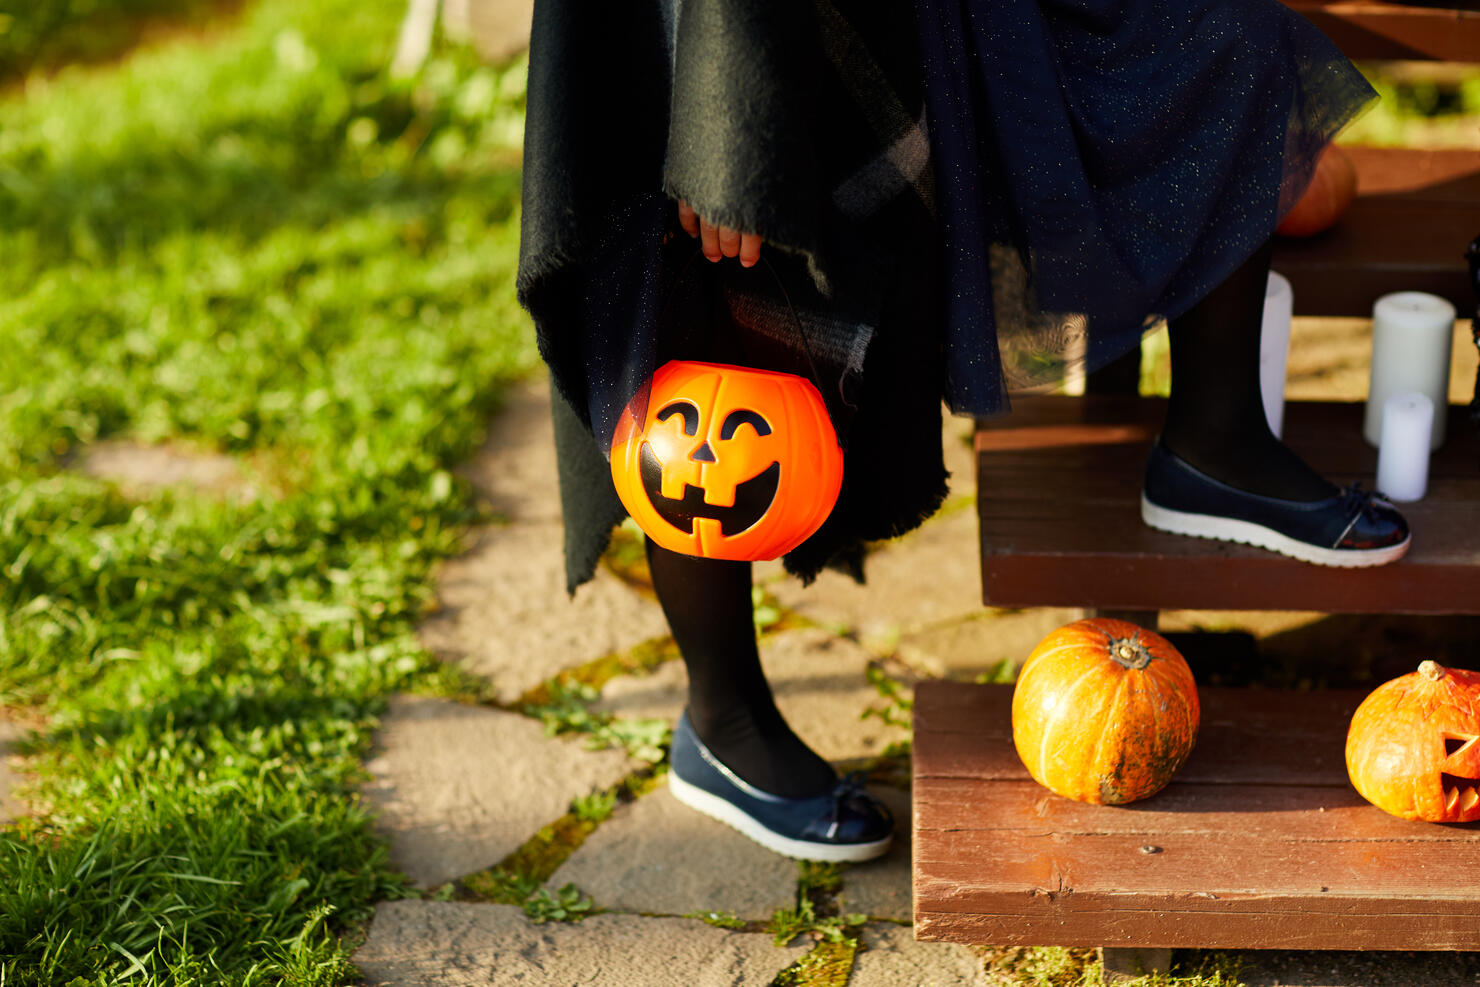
[(720, 241)]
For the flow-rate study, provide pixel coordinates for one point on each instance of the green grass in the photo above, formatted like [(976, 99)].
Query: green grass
[(42, 34), (256, 245)]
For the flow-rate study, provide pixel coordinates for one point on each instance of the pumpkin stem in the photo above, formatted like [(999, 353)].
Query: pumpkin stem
[(1431, 670), (1129, 652)]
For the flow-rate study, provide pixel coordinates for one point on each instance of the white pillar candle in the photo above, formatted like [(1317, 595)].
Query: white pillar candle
[(1403, 452), (1274, 348), (1412, 333)]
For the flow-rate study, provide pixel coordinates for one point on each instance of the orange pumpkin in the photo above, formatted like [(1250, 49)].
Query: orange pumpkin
[(727, 462), (1330, 192), (1104, 711), (1411, 749)]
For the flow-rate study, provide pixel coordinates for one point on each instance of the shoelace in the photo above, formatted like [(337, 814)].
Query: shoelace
[(1357, 504), (849, 787)]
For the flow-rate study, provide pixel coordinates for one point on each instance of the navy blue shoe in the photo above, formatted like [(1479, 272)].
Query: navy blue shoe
[(845, 823), (1353, 528)]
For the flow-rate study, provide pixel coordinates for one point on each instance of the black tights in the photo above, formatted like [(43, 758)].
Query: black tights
[(708, 606), (1215, 419)]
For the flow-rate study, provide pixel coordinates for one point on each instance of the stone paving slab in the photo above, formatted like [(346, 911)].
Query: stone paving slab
[(929, 576), (499, 29), (450, 944), (957, 445), (140, 469), (515, 467), (11, 807), (819, 684), (658, 856), (459, 787), (970, 646), (505, 614), (892, 958), (882, 888)]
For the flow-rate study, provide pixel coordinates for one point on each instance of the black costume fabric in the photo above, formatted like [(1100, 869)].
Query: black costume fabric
[(1103, 165), (800, 122), (1096, 167)]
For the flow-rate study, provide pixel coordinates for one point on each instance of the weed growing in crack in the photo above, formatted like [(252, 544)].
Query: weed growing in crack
[(565, 905), (720, 920), (568, 710), (596, 807)]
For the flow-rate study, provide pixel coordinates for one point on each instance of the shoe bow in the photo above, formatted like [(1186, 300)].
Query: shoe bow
[(1358, 504), (851, 801)]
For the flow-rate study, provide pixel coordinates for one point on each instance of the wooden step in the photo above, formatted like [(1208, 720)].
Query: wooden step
[(1259, 842), (1371, 29), (1416, 211), (1058, 496)]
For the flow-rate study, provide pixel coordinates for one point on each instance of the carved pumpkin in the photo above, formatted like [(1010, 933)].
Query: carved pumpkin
[(1411, 749), (1329, 194), (727, 462), (1104, 711)]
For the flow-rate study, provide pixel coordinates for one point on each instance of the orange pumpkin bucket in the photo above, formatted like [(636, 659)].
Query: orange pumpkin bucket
[(727, 462)]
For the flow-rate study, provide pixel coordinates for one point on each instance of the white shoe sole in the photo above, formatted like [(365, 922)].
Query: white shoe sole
[(1228, 529), (716, 807)]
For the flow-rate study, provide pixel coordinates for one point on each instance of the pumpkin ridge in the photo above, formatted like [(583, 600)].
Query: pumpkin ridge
[(1048, 734), (1110, 772), (1154, 697)]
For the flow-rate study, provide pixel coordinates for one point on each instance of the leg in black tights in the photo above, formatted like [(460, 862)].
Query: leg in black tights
[(1215, 419), (708, 606)]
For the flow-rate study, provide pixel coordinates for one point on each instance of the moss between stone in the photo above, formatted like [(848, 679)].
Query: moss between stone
[(828, 964), (1056, 966), (519, 875), (639, 660)]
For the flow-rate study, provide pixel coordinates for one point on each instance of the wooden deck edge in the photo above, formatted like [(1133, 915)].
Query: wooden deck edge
[(1180, 929)]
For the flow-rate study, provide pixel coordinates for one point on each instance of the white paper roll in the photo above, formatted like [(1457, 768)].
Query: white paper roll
[(1412, 333), (1274, 348), (1403, 453)]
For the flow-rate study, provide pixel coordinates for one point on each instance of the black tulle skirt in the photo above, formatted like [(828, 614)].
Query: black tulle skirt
[(1103, 164)]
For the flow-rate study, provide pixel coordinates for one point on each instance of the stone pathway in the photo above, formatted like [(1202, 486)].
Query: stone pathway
[(438, 942)]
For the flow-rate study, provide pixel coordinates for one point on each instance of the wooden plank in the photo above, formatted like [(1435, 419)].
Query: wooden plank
[(1383, 244), (1371, 29), (1432, 174), (1364, 876), (1186, 809), (1310, 923), (1415, 212), (1060, 524), (1239, 851)]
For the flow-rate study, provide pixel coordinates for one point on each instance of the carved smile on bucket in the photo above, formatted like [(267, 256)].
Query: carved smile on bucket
[(753, 498)]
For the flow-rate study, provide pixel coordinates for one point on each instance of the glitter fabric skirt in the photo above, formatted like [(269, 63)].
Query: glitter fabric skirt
[(1102, 164)]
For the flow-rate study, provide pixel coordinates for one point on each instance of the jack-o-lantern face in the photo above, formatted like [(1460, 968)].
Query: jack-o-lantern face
[(1414, 745), (728, 462)]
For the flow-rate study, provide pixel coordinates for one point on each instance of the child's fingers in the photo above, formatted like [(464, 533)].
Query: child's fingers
[(719, 241), (709, 240), (729, 242), (687, 218), (750, 249)]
